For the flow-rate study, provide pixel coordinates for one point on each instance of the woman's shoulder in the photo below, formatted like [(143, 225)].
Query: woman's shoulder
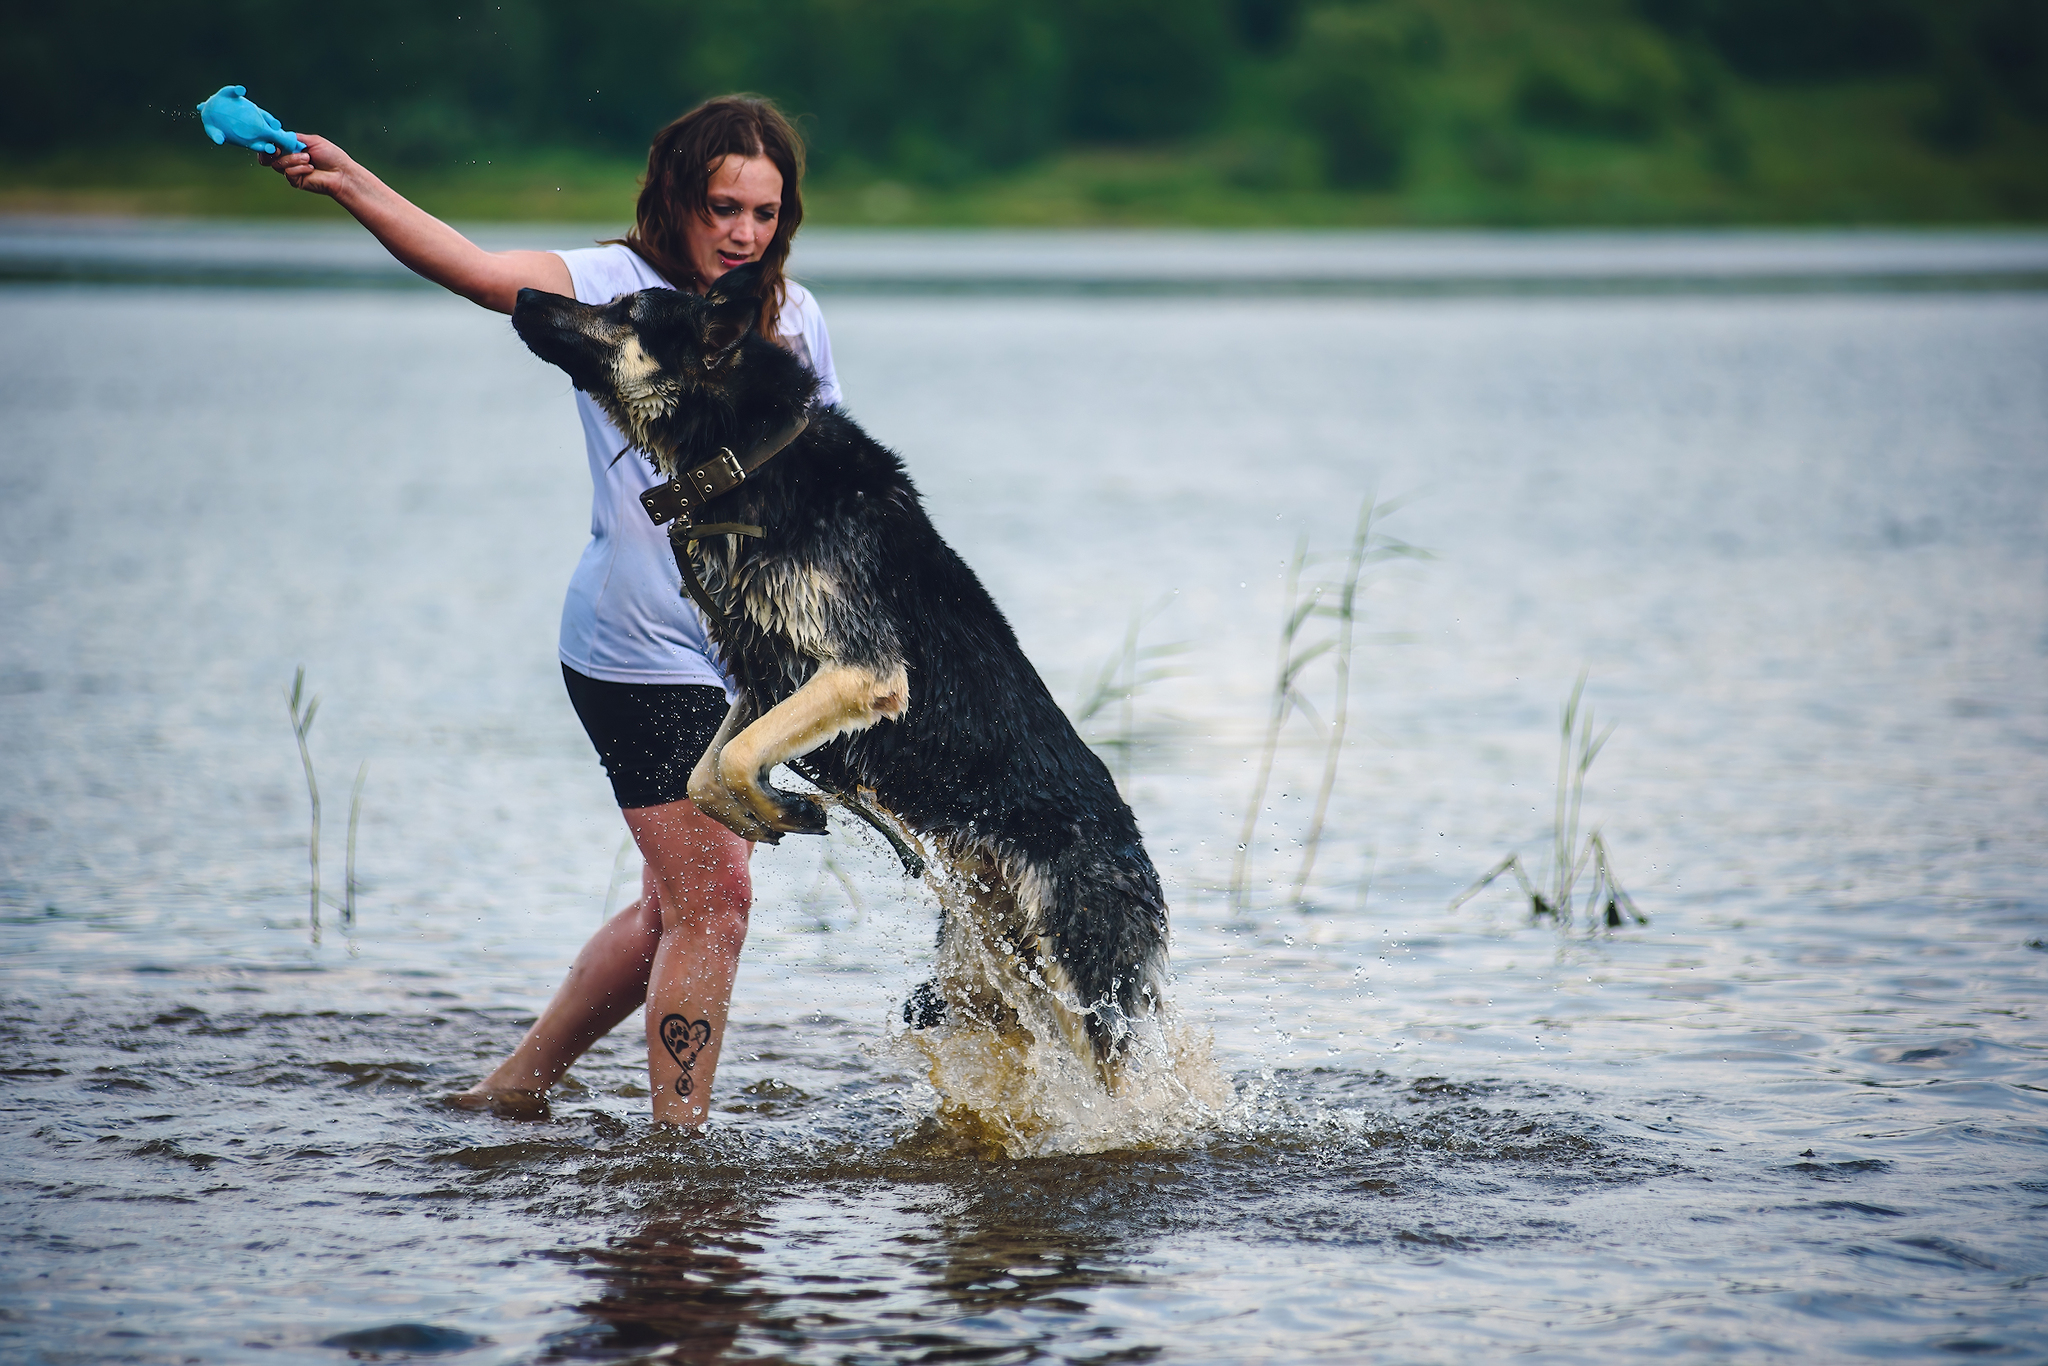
[(799, 308), (602, 273)]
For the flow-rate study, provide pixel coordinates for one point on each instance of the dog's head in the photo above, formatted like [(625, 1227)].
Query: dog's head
[(681, 374)]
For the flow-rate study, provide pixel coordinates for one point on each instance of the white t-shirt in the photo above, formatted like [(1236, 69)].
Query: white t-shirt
[(626, 619)]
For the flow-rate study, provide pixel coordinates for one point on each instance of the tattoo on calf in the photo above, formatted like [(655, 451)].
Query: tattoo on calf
[(684, 1039)]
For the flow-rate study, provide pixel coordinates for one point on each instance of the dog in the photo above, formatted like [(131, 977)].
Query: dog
[(865, 648)]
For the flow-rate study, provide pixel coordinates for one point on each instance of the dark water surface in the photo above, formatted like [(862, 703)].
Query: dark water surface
[(1802, 544)]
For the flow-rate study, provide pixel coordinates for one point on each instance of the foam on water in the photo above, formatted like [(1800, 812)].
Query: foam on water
[(1025, 1093), (1013, 1066)]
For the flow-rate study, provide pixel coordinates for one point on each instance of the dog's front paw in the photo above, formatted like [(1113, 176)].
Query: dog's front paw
[(781, 813), (788, 813), (719, 802)]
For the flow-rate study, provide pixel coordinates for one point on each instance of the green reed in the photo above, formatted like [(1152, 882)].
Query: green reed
[(1578, 747), (355, 811), (1335, 603), (303, 710), (302, 722), (1128, 671)]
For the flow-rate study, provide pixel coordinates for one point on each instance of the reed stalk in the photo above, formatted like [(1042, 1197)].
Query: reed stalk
[(1340, 603), (303, 709), (1569, 863), (829, 866), (355, 812), (611, 886), (302, 722), (1125, 674), (1345, 610), (1578, 747), (1287, 667)]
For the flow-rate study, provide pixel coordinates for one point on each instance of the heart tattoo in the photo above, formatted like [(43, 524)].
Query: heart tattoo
[(684, 1039)]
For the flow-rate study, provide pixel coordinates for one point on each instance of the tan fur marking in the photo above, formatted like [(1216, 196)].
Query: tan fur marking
[(711, 795), (643, 397), (790, 600), (838, 700)]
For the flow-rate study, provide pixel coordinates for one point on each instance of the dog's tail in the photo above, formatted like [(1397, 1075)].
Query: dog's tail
[(1105, 917)]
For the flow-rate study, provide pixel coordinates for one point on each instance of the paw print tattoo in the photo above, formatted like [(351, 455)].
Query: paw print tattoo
[(684, 1039)]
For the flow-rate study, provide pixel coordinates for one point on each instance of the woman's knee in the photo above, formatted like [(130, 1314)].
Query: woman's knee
[(713, 919), (643, 917), (711, 892)]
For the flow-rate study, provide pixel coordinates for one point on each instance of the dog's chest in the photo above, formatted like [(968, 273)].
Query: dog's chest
[(789, 608)]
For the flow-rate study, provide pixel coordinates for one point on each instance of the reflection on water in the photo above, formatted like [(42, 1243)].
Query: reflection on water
[(1802, 543), (990, 1280), (683, 1279)]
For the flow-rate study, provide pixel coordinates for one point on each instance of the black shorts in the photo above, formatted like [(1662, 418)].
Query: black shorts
[(649, 735)]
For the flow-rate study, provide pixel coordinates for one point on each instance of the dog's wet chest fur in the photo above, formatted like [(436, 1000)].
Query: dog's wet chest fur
[(645, 393), (802, 595), (794, 602)]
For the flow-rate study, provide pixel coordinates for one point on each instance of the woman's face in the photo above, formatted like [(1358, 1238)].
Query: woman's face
[(745, 198)]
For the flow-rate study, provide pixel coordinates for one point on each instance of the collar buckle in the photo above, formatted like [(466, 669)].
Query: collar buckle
[(732, 465)]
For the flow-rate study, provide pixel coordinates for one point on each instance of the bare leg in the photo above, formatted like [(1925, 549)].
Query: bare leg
[(606, 983), (700, 869), (683, 935)]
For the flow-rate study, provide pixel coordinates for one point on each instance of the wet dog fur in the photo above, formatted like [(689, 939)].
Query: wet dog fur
[(864, 645)]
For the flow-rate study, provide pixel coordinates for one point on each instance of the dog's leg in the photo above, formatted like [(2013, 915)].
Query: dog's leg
[(838, 700), (711, 795)]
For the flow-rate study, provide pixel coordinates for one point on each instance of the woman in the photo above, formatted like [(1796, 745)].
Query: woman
[(722, 189)]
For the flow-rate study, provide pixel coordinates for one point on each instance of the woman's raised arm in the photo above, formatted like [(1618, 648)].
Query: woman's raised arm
[(422, 242)]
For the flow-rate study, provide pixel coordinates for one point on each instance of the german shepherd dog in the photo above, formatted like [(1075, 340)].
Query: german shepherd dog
[(863, 646)]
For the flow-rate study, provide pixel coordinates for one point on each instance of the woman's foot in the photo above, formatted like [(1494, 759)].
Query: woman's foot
[(503, 1102)]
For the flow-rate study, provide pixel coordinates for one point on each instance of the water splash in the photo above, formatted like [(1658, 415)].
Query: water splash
[(1024, 1092), (1013, 1067)]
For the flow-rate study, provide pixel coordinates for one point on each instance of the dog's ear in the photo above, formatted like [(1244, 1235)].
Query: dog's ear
[(741, 282), (735, 310)]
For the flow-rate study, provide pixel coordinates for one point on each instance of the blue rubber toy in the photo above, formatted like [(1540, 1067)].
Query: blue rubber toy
[(229, 117)]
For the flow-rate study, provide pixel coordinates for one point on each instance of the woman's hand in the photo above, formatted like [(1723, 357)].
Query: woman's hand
[(323, 168)]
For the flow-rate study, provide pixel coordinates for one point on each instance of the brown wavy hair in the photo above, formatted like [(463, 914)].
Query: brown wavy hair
[(677, 188)]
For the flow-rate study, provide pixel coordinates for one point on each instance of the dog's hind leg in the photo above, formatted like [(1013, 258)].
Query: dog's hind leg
[(986, 948), (1103, 919), (838, 700), (1001, 968)]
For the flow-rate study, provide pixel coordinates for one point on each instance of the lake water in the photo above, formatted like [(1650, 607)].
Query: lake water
[(1800, 541)]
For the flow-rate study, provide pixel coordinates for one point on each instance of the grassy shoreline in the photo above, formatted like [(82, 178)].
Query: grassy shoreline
[(1806, 158)]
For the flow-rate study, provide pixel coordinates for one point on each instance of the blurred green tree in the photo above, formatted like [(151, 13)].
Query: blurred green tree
[(1264, 26), (1353, 91), (2011, 39), (1637, 109), (934, 90), (1139, 70), (1616, 89), (1802, 39)]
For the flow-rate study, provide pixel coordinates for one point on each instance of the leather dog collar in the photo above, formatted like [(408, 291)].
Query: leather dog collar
[(674, 501), (692, 489)]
